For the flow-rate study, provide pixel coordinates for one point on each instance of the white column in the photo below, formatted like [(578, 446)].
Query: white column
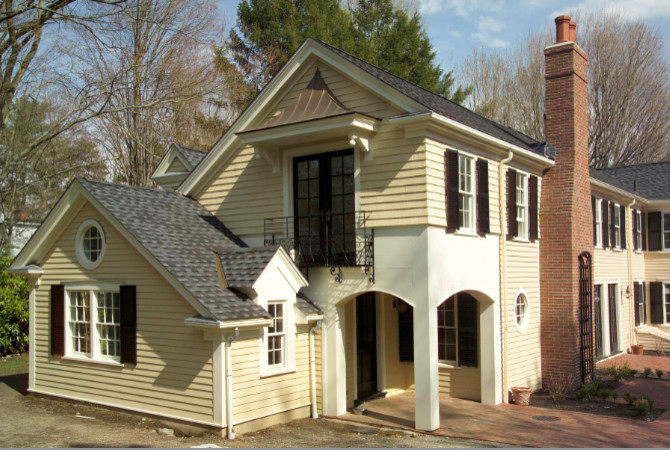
[(426, 383), (33, 283), (490, 354), (334, 363)]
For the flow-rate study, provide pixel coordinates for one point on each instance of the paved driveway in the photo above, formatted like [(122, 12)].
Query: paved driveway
[(522, 425)]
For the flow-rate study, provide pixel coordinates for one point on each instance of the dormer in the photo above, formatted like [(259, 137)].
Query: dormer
[(175, 166)]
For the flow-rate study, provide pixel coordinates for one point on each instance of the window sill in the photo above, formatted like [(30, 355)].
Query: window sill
[(445, 365), (465, 233), (104, 362), (266, 373), (523, 240)]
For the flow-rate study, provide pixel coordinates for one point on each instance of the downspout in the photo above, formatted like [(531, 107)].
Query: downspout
[(229, 385), (631, 311), (312, 369), (503, 273)]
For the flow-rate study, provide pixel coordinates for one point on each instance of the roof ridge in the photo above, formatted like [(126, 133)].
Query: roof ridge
[(667, 161), (146, 188), (497, 125), (184, 147)]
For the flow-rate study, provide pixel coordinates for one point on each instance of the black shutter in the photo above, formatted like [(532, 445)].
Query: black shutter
[(512, 226), (128, 324), (532, 208), (483, 223), (622, 221), (57, 319), (644, 231), (636, 245), (644, 302), (612, 232), (605, 223), (656, 302), (636, 302), (654, 220), (467, 331), (451, 185), (593, 209), (405, 331)]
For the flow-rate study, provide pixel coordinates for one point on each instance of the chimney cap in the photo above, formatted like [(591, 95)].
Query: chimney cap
[(564, 29)]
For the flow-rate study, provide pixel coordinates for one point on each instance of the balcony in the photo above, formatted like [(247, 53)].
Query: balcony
[(325, 240)]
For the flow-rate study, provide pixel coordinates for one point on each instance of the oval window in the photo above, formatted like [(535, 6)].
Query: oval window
[(90, 244), (521, 312)]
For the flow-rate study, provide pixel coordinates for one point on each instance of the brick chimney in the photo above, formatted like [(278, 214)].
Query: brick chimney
[(565, 216)]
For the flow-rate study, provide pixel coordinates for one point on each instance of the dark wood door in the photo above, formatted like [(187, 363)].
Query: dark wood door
[(324, 205), (598, 311), (614, 329), (366, 344)]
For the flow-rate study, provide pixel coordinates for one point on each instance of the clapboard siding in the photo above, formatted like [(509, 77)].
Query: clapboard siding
[(176, 166), (657, 266), (173, 374), (462, 382)]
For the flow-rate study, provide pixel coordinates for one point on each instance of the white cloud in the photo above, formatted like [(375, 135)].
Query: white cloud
[(455, 34), (486, 28), (631, 8), (461, 8)]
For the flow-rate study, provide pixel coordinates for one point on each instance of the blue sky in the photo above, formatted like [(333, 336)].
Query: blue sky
[(455, 27)]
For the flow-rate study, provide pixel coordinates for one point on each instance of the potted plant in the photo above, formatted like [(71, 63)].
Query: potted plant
[(521, 395), (637, 349)]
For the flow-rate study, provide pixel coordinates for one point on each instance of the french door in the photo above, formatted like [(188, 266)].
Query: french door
[(597, 306), (614, 328), (324, 206), (366, 345)]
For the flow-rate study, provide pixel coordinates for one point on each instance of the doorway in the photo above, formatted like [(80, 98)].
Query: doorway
[(366, 345)]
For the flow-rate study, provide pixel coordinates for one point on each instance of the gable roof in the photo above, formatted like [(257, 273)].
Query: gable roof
[(243, 266), (181, 234), (192, 155), (650, 180), (439, 104)]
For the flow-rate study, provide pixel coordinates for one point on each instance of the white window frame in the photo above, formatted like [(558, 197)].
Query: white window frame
[(288, 351), (469, 195), (79, 244), (448, 362), (522, 223), (277, 334), (95, 354), (664, 231), (525, 321), (640, 282), (666, 302), (638, 234), (617, 226), (599, 223)]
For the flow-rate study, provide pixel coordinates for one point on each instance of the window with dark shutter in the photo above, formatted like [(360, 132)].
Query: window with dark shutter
[(655, 230), (483, 222), (612, 226), (636, 243), (128, 324), (606, 227), (593, 209), (637, 301), (467, 331), (643, 313), (58, 319), (656, 302), (451, 186), (512, 226), (405, 331), (532, 208), (622, 218)]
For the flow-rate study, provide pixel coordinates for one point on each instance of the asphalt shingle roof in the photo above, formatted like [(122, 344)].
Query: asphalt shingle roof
[(192, 155), (441, 105), (243, 266), (182, 236), (650, 181)]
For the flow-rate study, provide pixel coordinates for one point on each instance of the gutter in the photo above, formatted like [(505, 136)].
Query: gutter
[(312, 369), (230, 433), (503, 274)]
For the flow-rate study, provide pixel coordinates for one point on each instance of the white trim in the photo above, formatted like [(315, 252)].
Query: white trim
[(471, 195), (79, 244), (232, 324), (31, 269), (523, 327), (522, 236), (599, 222), (32, 326)]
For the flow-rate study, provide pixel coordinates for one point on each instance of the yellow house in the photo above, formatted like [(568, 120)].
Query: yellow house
[(351, 235)]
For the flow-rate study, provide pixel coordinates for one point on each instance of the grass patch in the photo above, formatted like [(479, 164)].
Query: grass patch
[(14, 365)]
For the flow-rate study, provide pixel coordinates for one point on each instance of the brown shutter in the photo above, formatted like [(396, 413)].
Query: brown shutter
[(644, 302), (467, 331), (405, 331), (656, 302), (532, 208), (644, 231), (605, 223), (636, 302), (622, 218), (57, 319), (451, 185), (483, 221), (512, 226), (593, 210), (636, 245), (654, 220), (128, 324), (612, 232)]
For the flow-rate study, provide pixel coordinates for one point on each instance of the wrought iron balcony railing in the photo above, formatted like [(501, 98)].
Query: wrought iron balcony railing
[(325, 240)]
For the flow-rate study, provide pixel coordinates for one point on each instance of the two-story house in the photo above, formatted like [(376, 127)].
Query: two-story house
[(351, 235)]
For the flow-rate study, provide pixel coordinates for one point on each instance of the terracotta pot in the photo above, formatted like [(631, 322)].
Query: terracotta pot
[(521, 395), (637, 349)]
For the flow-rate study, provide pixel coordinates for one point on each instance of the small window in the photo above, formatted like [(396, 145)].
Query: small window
[(522, 205), (521, 312), (90, 244), (638, 230), (599, 223), (447, 337), (617, 226), (276, 335), (465, 192)]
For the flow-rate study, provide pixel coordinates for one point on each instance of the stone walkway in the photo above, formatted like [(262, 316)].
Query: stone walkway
[(521, 425)]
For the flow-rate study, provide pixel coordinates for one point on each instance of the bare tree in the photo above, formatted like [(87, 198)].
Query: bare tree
[(628, 88)]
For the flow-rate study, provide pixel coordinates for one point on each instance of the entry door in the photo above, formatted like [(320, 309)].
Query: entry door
[(614, 329), (597, 305), (324, 205), (366, 344)]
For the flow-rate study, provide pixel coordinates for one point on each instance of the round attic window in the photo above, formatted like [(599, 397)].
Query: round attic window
[(521, 312), (90, 244)]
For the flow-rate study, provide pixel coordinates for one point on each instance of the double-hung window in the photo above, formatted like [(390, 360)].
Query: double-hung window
[(666, 231), (522, 205), (457, 331), (466, 192), (599, 223), (93, 324), (638, 229), (276, 335), (617, 226), (446, 329)]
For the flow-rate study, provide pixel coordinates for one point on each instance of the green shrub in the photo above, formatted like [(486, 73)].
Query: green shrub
[(590, 390), (615, 395), (644, 406), (659, 373), (647, 372), (604, 394), (622, 372), (14, 314), (630, 398)]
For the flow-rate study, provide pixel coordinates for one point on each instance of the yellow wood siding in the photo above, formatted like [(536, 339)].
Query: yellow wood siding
[(657, 266), (318, 362), (397, 375), (462, 382), (174, 363), (176, 166)]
